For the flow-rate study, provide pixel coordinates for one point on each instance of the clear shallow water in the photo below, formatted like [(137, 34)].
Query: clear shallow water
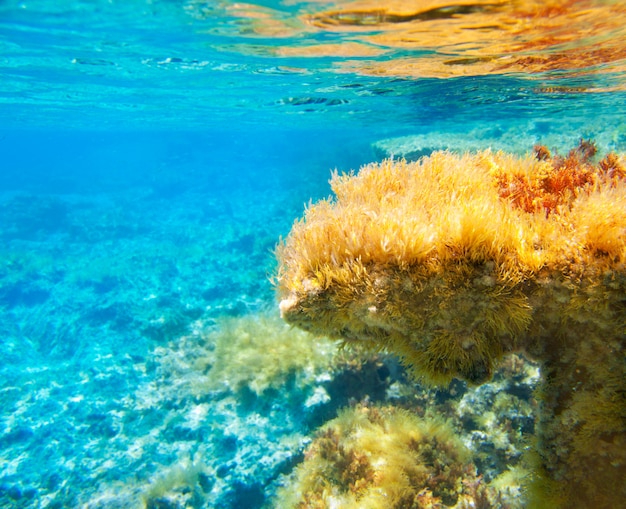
[(152, 155)]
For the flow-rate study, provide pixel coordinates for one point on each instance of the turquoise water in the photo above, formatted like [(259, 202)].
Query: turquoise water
[(153, 153)]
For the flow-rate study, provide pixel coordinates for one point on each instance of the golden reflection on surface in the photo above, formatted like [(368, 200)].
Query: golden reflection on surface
[(437, 38), (248, 20), (346, 49), (492, 38)]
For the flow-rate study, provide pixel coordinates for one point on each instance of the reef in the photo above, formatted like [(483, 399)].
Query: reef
[(453, 262)]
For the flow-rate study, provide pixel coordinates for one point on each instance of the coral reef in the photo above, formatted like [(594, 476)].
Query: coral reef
[(454, 261), (385, 457)]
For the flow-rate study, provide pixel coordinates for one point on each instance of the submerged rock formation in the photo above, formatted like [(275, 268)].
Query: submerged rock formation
[(454, 261)]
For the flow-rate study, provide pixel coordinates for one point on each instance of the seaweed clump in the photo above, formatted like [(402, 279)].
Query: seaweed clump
[(384, 457), (559, 182), (259, 353), (454, 261)]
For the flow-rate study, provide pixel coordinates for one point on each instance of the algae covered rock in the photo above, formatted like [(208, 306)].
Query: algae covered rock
[(453, 261), (384, 457)]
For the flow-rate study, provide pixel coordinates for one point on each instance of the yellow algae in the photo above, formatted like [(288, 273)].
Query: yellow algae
[(387, 458), (453, 261), (259, 352)]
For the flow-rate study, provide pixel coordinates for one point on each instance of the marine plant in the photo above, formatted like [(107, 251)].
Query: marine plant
[(176, 486), (453, 261), (258, 352), (387, 458)]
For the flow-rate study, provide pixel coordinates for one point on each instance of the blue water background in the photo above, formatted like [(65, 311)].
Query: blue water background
[(147, 172)]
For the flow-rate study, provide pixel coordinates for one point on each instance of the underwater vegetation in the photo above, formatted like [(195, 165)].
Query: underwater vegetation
[(453, 261), (298, 395), (259, 352), (385, 457), (224, 413)]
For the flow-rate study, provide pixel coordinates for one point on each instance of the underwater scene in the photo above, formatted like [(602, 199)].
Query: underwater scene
[(305, 254)]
